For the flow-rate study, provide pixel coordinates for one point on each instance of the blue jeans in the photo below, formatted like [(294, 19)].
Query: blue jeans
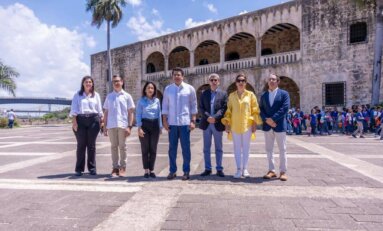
[(207, 135), (182, 133), (10, 123)]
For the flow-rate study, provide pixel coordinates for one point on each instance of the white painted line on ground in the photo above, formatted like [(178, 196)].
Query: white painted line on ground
[(68, 185), (357, 165), (284, 191), (378, 156), (146, 210), (27, 153), (9, 137)]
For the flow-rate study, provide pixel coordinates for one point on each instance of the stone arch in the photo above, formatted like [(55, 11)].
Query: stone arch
[(292, 88), (283, 37), (179, 57), (233, 88), (155, 62), (206, 50), (242, 43)]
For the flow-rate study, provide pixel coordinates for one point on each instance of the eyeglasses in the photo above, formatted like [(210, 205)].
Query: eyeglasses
[(241, 80), (214, 80), (116, 81)]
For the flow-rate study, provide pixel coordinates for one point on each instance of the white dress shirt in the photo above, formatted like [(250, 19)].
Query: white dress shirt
[(86, 104), (272, 95), (117, 104), (179, 104)]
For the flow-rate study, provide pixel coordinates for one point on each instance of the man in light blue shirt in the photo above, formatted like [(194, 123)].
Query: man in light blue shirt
[(118, 118), (179, 110)]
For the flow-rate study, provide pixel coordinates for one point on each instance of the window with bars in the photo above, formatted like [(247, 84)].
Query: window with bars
[(358, 32), (334, 94)]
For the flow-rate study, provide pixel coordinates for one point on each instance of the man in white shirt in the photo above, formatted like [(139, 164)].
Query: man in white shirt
[(179, 111), (11, 118), (118, 120)]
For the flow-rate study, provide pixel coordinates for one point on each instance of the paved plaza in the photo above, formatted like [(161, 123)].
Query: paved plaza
[(335, 183)]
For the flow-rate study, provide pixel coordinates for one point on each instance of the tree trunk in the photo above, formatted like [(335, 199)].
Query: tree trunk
[(109, 58), (377, 68)]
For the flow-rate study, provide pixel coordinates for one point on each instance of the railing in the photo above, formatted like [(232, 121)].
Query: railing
[(241, 63), (155, 76), (281, 58), (205, 69)]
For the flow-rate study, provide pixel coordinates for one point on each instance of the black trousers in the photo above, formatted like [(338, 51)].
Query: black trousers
[(149, 142), (86, 135)]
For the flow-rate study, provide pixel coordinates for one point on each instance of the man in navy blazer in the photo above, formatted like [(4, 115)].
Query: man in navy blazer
[(212, 107), (274, 106)]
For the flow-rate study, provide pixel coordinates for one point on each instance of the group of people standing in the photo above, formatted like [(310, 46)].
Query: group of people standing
[(237, 114)]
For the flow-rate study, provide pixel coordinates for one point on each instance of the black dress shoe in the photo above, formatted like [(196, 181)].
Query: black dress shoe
[(186, 176), (152, 175), (206, 173), (220, 173), (93, 172), (78, 174), (146, 175), (171, 176)]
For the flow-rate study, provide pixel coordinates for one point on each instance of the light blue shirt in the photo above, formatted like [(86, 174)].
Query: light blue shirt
[(86, 104), (117, 104), (148, 109), (272, 95), (212, 99), (179, 104)]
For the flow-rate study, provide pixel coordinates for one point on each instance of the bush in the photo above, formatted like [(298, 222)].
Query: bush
[(3, 122)]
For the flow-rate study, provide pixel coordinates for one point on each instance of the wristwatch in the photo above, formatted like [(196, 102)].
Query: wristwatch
[(130, 127)]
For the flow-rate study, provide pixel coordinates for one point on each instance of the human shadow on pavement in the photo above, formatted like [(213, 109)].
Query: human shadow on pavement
[(72, 176)]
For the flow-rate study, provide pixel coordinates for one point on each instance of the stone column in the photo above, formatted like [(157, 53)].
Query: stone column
[(259, 50), (144, 70), (166, 65), (191, 62), (222, 56)]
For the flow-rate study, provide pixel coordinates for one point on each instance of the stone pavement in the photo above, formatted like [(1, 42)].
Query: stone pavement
[(335, 183)]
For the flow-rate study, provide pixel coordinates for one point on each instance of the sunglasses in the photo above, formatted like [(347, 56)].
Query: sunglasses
[(241, 80), (214, 80)]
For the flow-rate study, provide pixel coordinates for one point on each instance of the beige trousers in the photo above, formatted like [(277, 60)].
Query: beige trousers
[(117, 139)]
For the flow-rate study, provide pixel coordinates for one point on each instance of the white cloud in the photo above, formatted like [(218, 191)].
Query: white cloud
[(134, 2), (146, 30), (155, 12), (190, 23), (243, 12), (48, 58), (211, 8)]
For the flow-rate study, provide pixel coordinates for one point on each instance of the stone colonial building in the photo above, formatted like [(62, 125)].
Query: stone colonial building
[(322, 49)]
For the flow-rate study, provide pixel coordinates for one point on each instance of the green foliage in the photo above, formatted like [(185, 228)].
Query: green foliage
[(7, 75), (61, 115), (105, 10), (3, 122)]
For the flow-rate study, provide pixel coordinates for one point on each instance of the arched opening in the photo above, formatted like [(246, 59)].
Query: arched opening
[(232, 56), (243, 44), (266, 51), (233, 88), (206, 52), (155, 62), (179, 57), (292, 88), (150, 68), (280, 38), (203, 62)]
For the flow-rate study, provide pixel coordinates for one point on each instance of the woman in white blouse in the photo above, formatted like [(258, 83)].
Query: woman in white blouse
[(86, 111)]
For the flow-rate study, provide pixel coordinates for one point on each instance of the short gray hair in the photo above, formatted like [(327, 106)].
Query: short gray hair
[(214, 75)]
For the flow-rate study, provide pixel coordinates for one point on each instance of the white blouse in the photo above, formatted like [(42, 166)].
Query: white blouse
[(86, 104)]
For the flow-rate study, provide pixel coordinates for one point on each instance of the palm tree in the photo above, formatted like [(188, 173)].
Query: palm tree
[(109, 11), (7, 75)]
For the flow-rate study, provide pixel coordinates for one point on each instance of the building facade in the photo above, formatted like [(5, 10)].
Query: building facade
[(322, 49)]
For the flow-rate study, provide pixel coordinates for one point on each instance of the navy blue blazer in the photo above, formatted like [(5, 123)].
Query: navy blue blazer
[(277, 112), (220, 106)]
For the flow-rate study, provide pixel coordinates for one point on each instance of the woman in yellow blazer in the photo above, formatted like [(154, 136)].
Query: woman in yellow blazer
[(240, 120)]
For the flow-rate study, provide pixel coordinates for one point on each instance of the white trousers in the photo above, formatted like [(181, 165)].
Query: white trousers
[(270, 137), (241, 148)]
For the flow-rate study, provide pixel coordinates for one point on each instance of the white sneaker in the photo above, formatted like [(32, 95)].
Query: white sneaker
[(238, 174), (245, 173)]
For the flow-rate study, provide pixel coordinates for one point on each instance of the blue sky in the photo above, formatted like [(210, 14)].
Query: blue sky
[(50, 41)]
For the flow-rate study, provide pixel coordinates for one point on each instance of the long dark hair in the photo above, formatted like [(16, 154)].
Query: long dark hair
[(82, 89), (146, 85)]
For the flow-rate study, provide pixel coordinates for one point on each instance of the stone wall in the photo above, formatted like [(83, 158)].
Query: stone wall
[(284, 41), (157, 59), (211, 53)]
